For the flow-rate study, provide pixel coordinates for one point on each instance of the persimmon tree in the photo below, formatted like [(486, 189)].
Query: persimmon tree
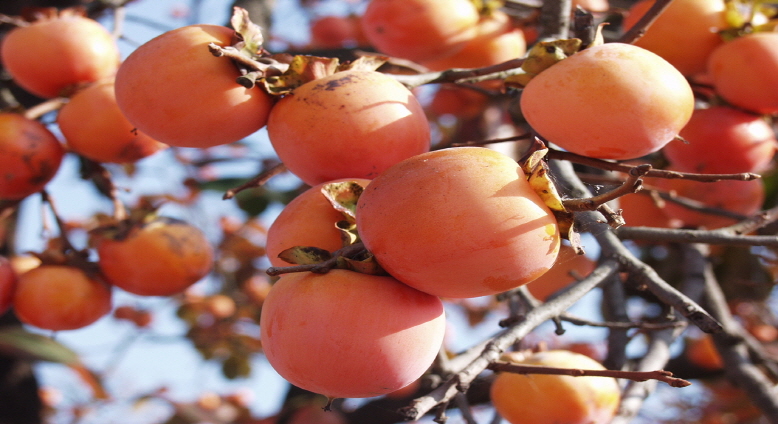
[(419, 170)]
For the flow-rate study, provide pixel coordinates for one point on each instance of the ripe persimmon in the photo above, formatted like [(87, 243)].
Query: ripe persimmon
[(701, 351), (161, 257), (687, 50), (351, 124), (94, 126), (497, 41), (332, 32), (460, 222), (52, 55), (568, 266), (420, 29), (611, 101), (61, 297), (308, 220), (30, 156), (745, 72), (543, 399), (349, 335), (723, 140), (8, 280), (173, 89), (740, 197)]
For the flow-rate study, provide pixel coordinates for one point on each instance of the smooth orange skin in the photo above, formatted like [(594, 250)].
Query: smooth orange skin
[(612, 101), (173, 89), (558, 399), (419, 29), (686, 49), (59, 297), (723, 140), (349, 335), (30, 156), (8, 281), (161, 258), (497, 41), (742, 197), (459, 223), (567, 267), (331, 32), (745, 72), (640, 210), (94, 127), (352, 124), (49, 56), (308, 220)]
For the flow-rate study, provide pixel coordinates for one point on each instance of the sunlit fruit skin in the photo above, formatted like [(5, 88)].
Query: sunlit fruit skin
[(559, 399), (741, 197), (567, 267), (723, 140), (458, 223), (687, 50), (419, 29), (612, 101), (174, 90), (352, 124), (30, 156), (497, 41), (8, 281), (349, 335), (160, 258), (60, 297), (52, 55), (94, 127), (745, 72), (308, 220)]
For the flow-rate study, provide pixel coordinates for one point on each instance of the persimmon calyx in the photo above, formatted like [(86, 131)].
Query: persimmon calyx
[(303, 69), (542, 56)]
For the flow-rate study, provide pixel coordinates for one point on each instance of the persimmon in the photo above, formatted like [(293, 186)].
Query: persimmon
[(701, 351), (687, 50), (30, 156), (568, 266), (745, 72), (349, 335), (611, 101), (561, 399), (161, 257), (497, 41), (641, 210), (351, 124), (723, 140), (94, 126), (8, 280), (420, 29), (741, 197), (174, 90), (459, 223), (61, 297), (461, 102), (308, 220), (332, 32), (53, 55)]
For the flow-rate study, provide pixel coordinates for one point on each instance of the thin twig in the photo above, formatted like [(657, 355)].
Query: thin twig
[(637, 31), (621, 325), (682, 235), (660, 375), (257, 181), (499, 71), (659, 173), (633, 184)]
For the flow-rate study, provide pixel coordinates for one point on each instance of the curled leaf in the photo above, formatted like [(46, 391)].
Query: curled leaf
[(250, 34), (304, 255), (343, 196)]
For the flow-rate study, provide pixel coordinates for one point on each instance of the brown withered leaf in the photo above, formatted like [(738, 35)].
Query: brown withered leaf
[(304, 255)]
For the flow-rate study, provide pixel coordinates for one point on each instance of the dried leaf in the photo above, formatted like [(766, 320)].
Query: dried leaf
[(364, 63), (368, 265), (250, 34), (542, 56), (343, 196), (302, 69), (304, 255)]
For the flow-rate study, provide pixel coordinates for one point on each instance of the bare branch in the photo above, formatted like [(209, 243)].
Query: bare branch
[(660, 375)]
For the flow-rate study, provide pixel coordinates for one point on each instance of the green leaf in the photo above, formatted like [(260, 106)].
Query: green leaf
[(19, 342)]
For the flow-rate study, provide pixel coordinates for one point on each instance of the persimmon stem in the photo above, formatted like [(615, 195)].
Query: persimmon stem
[(45, 107), (320, 267), (659, 375), (633, 184), (67, 245)]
